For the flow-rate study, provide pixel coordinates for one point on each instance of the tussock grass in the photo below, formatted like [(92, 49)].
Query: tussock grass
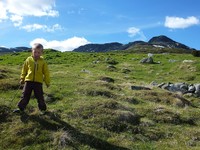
[(91, 104), (163, 97)]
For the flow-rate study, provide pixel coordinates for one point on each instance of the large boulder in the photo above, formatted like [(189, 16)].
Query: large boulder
[(179, 87), (148, 60), (197, 89)]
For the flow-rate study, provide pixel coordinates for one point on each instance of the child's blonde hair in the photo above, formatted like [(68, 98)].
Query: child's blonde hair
[(37, 46)]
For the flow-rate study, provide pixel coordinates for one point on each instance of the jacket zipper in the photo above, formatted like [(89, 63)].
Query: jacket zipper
[(35, 66)]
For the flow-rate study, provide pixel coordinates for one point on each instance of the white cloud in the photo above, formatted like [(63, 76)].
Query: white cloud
[(65, 45), (177, 22), (31, 8), (3, 14), (136, 33), (133, 31), (17, 20), (16, 10), (45, 28), (34, 27), (54, 28)]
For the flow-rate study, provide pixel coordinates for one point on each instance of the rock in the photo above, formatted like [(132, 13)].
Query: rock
[(172, 60), (139, 88), (178, 87), (126, 70), (86, 71), (107, 79), (188, 61), (191, 88), (184, 88), (111, 67), (161, 85), (197, 91), (154, 83), (150, 55), (148, 60), (164, 86)]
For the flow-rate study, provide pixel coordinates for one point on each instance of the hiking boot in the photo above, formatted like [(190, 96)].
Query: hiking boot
[(42, 112), (18, 111)]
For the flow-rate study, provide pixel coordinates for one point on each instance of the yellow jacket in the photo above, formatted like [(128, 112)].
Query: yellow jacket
[(35, 71)]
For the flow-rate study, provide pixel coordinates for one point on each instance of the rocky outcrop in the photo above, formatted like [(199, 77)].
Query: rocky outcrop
[(182, 88)]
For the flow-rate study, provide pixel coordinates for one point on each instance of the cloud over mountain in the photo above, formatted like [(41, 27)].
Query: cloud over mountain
[(65, 45), (136, 33), (178, 22)]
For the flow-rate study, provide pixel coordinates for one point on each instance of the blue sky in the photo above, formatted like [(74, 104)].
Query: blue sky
[(68, 24)]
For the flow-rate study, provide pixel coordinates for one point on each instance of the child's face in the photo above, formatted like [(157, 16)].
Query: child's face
[(36, 53)]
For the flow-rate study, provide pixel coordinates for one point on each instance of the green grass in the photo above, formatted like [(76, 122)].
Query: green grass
[(86, 112)]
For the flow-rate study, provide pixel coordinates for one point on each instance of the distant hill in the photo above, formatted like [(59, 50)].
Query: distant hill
[(166, 42), (132, 44), (99, 47), (16, 49), (157, 43)]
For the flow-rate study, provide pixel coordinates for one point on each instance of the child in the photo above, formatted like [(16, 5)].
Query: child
[(34, 72)]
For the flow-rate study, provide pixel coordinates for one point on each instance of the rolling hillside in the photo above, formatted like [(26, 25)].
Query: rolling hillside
[(103, 101)]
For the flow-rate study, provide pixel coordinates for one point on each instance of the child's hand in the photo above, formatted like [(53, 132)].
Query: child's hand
[(21, 82)]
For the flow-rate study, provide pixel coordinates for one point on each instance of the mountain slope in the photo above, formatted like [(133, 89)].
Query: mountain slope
[(99, 47), (16, 49), (155, 43), (166, 42)]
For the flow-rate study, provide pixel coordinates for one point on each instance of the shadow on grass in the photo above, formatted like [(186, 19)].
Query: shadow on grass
[(4, 113), (52, 122)]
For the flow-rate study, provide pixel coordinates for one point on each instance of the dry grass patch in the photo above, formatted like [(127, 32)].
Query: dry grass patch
[(163, 97), (109, 115)]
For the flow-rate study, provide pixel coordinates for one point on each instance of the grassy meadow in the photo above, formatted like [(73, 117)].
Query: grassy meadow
[(91, 104)]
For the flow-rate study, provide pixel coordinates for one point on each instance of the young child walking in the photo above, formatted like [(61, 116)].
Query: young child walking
[(34, 72)]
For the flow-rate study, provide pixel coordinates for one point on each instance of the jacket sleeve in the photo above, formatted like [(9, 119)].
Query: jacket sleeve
[(24, 70), (46, 74)]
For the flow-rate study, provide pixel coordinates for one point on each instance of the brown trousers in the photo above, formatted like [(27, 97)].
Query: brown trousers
[(26, 94)]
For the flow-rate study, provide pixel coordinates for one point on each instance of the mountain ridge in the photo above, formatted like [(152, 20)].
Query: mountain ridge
[(166, 42), (156, 42), (15, 49), (159, 42)]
